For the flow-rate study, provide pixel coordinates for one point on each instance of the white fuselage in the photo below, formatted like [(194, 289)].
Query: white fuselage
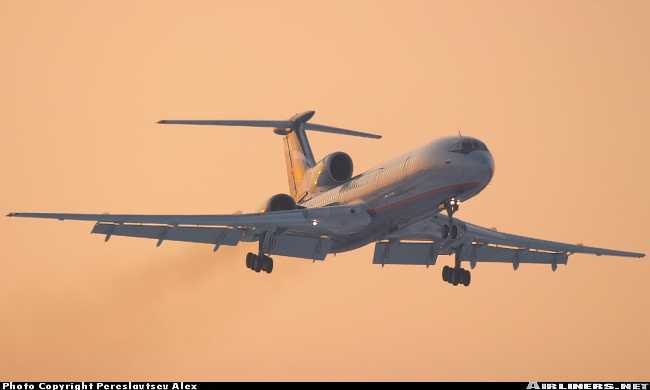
[(411, 187)]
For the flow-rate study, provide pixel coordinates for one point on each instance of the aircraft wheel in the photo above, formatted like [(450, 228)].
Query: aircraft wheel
[(467, 278), (446, 273), (455, 276), (267, 264), (258, 263), (250, 260)]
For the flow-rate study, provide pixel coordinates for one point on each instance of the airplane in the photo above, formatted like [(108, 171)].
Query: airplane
[(397, 205)]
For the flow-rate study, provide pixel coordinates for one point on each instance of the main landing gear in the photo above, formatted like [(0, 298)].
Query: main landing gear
[(450, 231), (456, 276), (260, 262)]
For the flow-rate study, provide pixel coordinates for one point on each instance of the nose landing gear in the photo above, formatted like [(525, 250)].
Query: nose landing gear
[(451, 206), (450, 230)]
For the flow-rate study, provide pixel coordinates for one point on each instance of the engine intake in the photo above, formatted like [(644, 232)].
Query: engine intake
[(339, 166), (280, 202), (334, 169)]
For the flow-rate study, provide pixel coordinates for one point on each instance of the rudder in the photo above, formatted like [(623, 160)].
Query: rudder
[(298, 154)]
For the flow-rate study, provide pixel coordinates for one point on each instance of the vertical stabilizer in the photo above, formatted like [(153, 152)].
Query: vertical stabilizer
[(297, 154)]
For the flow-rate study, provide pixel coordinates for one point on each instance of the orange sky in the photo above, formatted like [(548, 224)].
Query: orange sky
[(558, 90)]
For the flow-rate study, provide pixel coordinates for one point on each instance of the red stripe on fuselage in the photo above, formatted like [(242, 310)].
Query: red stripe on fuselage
[(424, 195)]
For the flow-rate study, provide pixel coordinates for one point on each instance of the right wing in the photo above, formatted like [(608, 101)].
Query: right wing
[(493, 237), (478, 244), (296, 232)]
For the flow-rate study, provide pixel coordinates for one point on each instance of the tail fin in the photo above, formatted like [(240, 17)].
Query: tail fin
[(297, 151)]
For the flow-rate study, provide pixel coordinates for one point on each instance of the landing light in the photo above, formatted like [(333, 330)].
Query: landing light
[(315, 222)]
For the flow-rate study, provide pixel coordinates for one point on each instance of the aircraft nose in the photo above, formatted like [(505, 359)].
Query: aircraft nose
[(485, 165), (490, 164)]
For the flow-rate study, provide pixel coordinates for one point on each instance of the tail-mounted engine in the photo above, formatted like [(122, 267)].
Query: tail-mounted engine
[(336, 168), (279, 202)]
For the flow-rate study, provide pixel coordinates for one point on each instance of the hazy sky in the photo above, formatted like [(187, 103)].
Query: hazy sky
[(559, 91)]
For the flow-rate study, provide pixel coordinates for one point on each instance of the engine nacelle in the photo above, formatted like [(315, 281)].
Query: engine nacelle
[(334, 169), (279, 202)]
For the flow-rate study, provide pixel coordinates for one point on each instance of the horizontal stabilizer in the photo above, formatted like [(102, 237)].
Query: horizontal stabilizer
[(337, 130), (281, 126), (210, 122)]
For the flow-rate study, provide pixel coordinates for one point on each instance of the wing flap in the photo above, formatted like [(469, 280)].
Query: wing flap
[(206, 235), (314, 248), (488, 253)]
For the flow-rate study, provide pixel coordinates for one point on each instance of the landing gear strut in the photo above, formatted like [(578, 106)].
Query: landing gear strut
[(450, 230), (260, 262), (451, 206)]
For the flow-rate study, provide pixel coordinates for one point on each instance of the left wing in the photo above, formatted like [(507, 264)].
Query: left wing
[(325, 217), (296, 232), (477, 244)]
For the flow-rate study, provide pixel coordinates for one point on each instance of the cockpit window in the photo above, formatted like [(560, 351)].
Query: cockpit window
[(466, 146)]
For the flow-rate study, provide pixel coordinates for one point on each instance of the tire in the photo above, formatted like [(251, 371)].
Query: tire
[(250, 260), (455, 276), (445, 273), (267, 264), (468, 279), (258, 263)]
